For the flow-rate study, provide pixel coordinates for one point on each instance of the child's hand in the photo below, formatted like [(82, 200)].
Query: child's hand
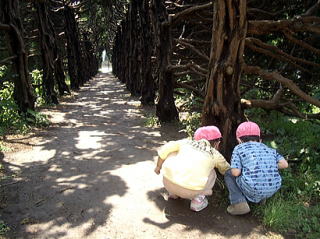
[(282, 164), (157, 170)]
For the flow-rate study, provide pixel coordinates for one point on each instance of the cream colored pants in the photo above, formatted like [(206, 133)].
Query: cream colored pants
[(177, 190)]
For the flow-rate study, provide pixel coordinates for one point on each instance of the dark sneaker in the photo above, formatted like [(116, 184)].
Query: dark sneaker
[(238, 208)]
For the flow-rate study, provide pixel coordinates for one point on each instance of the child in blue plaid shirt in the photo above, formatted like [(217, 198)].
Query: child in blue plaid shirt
[(254, 174)]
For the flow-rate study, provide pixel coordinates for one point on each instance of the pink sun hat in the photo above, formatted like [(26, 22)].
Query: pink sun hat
[(208, 133), (248, 129)]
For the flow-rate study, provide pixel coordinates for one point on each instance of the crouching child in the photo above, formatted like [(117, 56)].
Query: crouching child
[(254, 174), (188, 166)]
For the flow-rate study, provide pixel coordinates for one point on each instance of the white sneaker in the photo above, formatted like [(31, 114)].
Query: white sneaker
[(198, 203)]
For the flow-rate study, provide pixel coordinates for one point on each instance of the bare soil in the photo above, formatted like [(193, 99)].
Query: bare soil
[(90, 175)]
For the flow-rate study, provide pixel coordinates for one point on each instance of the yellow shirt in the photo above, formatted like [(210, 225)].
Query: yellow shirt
[(188, 163)]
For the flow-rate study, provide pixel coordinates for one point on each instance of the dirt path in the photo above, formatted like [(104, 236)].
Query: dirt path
[(90, 175)]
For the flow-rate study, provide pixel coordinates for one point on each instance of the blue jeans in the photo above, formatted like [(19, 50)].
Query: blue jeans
[(235, 194)]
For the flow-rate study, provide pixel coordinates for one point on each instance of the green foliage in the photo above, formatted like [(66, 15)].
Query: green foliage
[(8, 109), (3, 148), (275, 42), (292, 216), (295, 138), (316, 94), (3, 70), (35, 118), (3, 228), (68, 81), (12, 122), (151, 121), (190, 122), (304, 185), (189, 107), (10, 119), (185, 99), (36, 76)]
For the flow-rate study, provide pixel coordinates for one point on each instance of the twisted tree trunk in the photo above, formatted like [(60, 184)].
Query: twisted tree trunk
[(75, 66), (222, 106), (147, 86), (132, 79), (47, 45), (11, 23), (165, 108)]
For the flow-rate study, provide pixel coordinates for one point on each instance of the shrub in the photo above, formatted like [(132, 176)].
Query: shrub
[(3, 228)]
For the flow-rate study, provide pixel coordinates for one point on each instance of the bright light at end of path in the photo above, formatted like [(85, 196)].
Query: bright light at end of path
[(105, 69)]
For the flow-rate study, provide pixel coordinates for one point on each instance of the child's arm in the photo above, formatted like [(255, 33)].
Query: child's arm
[(163, 153), (236, 164), (282, 163), (221, 164), (159, 165), (236, 172)]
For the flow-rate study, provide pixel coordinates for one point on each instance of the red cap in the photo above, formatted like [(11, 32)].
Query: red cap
[(248, 129), (208, 133)]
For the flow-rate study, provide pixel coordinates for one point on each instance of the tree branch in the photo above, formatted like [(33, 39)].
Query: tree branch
[(192, 48), (257, 11), (303, 44), (282, 53), (287, 108), (280, 56), (195, 41), (312, 9), (264, 104), (192, 66), (175, 18), (297, 24), (186, 86), (5, 27), (8, 59), (274, 76)]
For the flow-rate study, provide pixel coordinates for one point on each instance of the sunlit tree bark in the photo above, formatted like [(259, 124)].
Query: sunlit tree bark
[(222, 102)]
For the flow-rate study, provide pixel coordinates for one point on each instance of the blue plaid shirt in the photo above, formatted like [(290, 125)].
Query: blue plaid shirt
[(260, 176)]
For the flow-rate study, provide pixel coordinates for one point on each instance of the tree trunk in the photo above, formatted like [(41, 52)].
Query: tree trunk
[(47, 45), (165, 108), (132, 80), (222, 102), (147, 85), (116, 56), (9, 15), (74, 50), (58, 63), (90, 55), (124, 52)]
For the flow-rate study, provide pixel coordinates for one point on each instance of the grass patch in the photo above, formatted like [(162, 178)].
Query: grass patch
[(11, 122), (291, 217), (3, 228), (151, 121), (3, 148)]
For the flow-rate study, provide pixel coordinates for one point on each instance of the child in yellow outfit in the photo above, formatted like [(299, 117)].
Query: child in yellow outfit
[(188, 166)]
